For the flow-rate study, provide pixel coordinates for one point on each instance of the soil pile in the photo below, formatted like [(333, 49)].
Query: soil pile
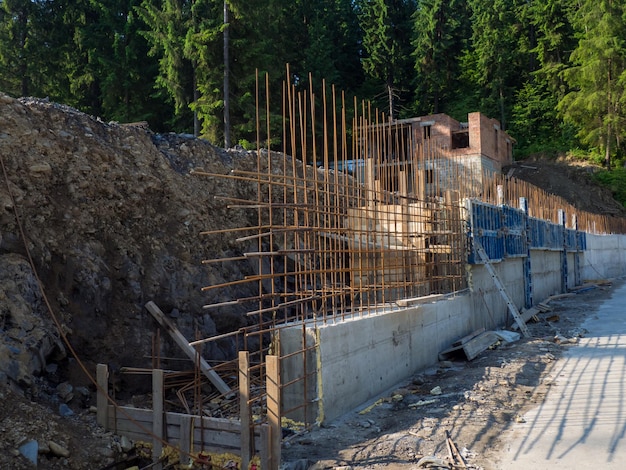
[(571, 180), (112, 218)]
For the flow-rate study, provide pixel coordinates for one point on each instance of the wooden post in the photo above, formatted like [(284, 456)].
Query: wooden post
[(273, 408), (157, 416), (186, 439), (528, 280), (247, 436), (266, 442), (562, 223), (102, 401)]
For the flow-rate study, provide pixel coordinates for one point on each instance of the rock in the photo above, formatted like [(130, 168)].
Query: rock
[(30, 451), (432, 461), (302, 464), (84, 391), (436, 390), (40, 168), (65, 410), (418, 380), (58, 449), (65, 390), (44, 448), (125, 444)]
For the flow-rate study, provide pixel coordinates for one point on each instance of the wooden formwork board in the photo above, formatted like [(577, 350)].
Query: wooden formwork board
[(396, 224), (212, 434), (388, 267)]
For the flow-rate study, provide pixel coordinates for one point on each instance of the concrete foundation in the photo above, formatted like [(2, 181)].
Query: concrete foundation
[(360, 358)]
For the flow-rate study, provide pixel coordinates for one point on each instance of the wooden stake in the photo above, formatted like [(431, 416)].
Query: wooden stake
[(273, 407), (102, 377), (157, 417)]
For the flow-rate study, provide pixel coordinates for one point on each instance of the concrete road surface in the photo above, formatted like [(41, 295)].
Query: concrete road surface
[(582, 423)]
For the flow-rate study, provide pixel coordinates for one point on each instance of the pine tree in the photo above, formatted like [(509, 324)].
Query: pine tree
[(499, 62), (442, 29), (597, 76), (387, 43), (172, 32)]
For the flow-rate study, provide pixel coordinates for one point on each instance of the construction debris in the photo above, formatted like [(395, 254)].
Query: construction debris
[(472, 346)]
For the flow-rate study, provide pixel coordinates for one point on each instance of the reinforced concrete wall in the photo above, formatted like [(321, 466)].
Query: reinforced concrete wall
[(604, 258), (363, 357)]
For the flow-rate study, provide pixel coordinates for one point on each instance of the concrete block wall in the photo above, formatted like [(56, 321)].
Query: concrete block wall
[(363, 357)]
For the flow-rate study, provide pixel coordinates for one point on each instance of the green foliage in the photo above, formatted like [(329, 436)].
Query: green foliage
[(598, 88), (616, 181), (535, 123), (441, 32), (498, 45), (553, 72), (387, 45)]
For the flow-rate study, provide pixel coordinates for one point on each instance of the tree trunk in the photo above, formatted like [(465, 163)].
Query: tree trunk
[(390, 97), (196, 97), (607, 150), (502, 116), (227, 143)]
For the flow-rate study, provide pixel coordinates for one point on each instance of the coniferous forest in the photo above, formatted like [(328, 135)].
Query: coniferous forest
[(552, 71)]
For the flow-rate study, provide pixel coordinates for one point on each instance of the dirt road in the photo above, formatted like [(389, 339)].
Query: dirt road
[(475, 402)]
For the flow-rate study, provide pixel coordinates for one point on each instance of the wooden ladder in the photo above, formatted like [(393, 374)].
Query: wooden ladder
[(505, 295)]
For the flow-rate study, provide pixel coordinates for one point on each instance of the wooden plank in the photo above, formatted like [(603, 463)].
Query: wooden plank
[(559, 296), (466, 338), (273, 408), (419, 300), (219, 434), (244, 408), (526, 315), (157, 417), (182, 343), (143, 415), (185, 440), (264, 448), (102, 402), (478, 344)]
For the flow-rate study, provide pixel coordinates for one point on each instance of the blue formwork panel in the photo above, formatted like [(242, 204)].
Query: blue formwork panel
[(486, 227), (514, 228), (571, 239), (537, 233), (501, 230), (582, 240)]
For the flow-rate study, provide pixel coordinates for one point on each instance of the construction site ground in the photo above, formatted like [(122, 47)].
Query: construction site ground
[(476, 402)]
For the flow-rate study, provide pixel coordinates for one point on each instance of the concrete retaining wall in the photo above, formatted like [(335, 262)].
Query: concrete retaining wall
[(362, 357), (604, 258)]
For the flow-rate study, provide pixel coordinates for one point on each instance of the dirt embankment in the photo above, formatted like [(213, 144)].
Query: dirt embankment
[(111, 218)]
